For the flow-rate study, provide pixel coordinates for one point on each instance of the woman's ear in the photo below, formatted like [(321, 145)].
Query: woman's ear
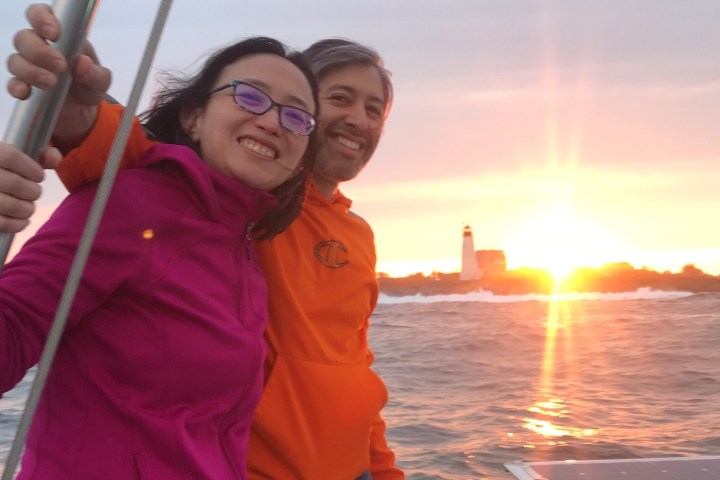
[(190, 118)]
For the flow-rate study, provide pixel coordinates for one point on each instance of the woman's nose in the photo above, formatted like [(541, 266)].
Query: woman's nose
[(270, 120)]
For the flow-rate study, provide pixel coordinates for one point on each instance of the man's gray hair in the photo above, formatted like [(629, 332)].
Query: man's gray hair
[(332, 54)]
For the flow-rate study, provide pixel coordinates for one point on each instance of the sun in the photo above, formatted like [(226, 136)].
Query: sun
[(558, 241)]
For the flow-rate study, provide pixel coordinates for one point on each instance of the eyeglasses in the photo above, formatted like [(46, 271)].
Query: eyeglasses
[(253, 100)]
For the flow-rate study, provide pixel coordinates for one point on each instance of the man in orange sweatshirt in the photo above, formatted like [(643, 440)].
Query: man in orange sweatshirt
[(319, 417)]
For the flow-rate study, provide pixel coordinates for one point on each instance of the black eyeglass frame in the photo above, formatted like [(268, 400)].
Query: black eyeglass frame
[(273, 103)]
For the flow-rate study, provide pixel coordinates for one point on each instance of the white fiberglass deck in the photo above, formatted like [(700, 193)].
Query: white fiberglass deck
[(668, 468)]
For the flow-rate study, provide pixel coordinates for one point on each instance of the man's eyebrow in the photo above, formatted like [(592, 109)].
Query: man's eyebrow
[(292, 99)]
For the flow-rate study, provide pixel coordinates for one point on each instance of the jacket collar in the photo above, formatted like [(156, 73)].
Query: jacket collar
[(314, 196), (225, 200)]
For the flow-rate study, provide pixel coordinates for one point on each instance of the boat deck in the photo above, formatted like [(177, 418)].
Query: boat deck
[(667, 468)]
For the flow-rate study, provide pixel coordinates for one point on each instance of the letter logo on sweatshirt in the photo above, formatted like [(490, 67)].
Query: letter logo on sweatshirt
[(331, 253)]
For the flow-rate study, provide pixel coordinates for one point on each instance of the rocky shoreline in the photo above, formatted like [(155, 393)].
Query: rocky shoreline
[(613, 278)]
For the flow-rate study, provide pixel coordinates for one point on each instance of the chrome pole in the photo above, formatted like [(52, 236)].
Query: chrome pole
[(31, 125), (33, 120), (83, 251)]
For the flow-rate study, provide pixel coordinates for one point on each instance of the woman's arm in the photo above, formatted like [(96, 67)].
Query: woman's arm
[(32, 283)]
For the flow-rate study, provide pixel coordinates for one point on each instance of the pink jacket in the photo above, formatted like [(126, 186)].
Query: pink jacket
[(160, 367)]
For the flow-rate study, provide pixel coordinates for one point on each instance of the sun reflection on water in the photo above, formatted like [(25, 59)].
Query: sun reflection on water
[(550, 416), (554, 410)]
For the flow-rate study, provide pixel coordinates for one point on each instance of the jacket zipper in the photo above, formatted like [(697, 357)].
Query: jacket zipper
[(136, 465), (248, 238), (227, 421)]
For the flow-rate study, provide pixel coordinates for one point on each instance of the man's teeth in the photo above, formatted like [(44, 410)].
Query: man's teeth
[(258, 148), (348, 143)]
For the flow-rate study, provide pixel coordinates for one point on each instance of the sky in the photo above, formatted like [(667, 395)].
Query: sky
[(565, 132)]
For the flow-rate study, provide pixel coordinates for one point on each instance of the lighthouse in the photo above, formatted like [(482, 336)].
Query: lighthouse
[(469, 269)]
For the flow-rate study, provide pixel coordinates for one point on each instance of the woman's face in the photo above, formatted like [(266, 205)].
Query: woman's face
[(251, 148)]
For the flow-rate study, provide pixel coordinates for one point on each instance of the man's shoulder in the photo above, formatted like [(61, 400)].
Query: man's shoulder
[(359, 218), (342, 217)]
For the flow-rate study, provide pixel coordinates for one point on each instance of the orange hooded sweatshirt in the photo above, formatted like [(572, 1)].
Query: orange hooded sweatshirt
[(319, 416)]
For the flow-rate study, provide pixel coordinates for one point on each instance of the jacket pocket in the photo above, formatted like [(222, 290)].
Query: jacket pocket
[(314, 420)]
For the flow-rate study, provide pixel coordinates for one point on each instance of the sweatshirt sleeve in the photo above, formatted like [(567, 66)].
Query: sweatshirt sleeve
[(32, 283), (86, 162), (382, 459)]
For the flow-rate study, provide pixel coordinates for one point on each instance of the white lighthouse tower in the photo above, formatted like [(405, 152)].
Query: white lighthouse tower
[(469, 269)]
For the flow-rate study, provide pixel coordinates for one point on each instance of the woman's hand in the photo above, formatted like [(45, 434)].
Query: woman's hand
[(36, 63)]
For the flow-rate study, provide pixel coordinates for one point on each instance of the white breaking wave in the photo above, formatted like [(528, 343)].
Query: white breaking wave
[(489, 297)]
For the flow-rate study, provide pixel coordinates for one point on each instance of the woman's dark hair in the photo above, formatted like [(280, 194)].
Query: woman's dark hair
[(162, 121)]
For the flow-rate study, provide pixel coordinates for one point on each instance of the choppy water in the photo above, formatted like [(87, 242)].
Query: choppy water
[(483, 381), (476, 380)]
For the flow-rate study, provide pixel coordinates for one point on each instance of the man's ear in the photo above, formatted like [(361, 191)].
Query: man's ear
[(190, 118)]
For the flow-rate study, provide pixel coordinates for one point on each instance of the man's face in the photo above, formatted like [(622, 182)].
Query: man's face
[(352, 109)]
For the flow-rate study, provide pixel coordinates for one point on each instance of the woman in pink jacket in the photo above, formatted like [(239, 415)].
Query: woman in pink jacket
[(160, 367)]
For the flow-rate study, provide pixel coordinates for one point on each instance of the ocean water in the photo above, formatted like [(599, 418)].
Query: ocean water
[(477, 380)]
